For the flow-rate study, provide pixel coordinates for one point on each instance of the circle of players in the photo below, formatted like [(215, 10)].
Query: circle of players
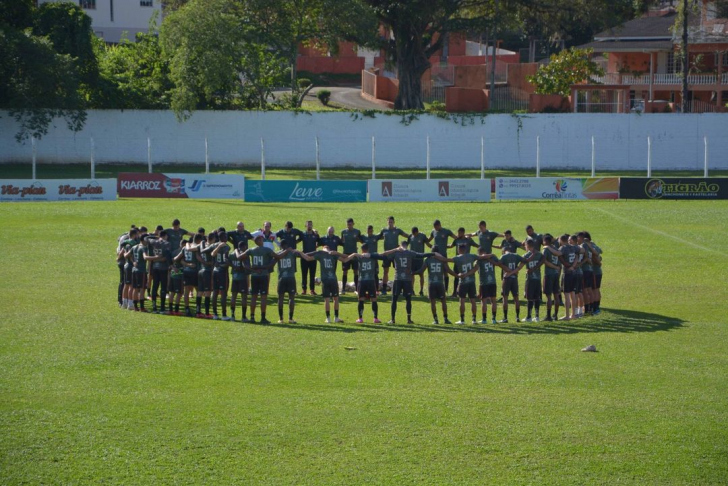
[(173, 268)]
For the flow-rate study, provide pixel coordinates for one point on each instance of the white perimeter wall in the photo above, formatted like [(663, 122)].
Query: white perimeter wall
[(234, 137)]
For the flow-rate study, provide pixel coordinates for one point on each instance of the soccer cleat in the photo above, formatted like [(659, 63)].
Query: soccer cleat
[(435, 322), (503, 321), (536, 319), (343, 292), (303, 292), (359, 321), (484, 321), (391, 322), (377, 321), (313, 292), (494, 321), (565, 318), (245, 320), (460, 323), (527, 319), (292, 321), (597, 312), (328, 320), (280, 321), (264, 321), (548, 319), (410, 321), (474, 321), (208, 316), (226, 318), (447, 321), (215, 317), (422, 294), (338, 321)]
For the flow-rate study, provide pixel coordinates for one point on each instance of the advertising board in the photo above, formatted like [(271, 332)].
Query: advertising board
[(429, 190), (673, 188), (12, 190), (191, 186), (305, 191), (556, 188)]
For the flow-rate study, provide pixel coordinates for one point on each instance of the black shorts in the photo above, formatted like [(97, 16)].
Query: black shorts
[(466, 290), (329, 288), (387, 261), (436, 291), (510, 286), (137, 279), (589, 279), (569, 282), (488, 291), (367, 288), (175, 285), (403, 287), (240, 286), (533, 289), (578, 283), (189, 277), (417, 264), (204, 280), (598, 281), (353, 264), (287, 286), (127, 275), (259, 285), (220, 279), (551, 285)]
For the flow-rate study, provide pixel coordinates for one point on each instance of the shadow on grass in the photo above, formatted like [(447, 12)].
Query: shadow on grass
[(611, 320)]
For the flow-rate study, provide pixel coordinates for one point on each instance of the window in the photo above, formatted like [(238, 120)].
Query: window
[(87, 4), (674, 63), (145, 3)]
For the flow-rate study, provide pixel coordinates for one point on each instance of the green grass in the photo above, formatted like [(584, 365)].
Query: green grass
[(91, 394), (60, 171)]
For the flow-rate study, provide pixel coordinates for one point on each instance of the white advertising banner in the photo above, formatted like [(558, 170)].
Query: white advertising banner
[(429, 190), (13, 190), (556, 188)]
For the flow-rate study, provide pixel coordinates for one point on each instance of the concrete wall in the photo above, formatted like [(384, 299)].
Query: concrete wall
[(234, 137)]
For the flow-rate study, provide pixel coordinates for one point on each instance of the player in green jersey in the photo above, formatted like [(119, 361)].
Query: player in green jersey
[(464, 240), (262, 260), (488, 288), (569, 261), (437, 267), (464, 265), (402, 258), (241, 281), (220, 275), (140, 255), (372, 240), (417, 242), (350, 239), (287, 281), (162, 251), (390, 235), (440, 236), (510, 282), (123, 259), (551, 287), (579, 275), (596, 256), (485, 237), (532, 235), (367, 289), (188, 258), (176, 281), (309, 241), (534, 260), (328, 260), (588, 272)]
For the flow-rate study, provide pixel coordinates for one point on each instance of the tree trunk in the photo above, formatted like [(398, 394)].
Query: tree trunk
[(294, 69), (411, 65)]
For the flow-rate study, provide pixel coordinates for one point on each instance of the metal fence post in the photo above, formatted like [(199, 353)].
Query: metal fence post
[(374, 158), (93, 161), (262, 158), (35, 154), (538, 156), (649, 156), (318, 160)]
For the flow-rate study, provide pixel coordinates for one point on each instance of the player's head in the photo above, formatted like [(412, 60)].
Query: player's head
[(587, 235), (564, 239), (201, 231), (198, 238), (266, 226), (370, 230), (182, 243), (390, 221), (133, 233), (462, 249), (482, 225), (508, 234), (365, 248), (309, 225), (573, 239), (404, 244), (415, 230), (222, 235), (531, 244), (529, 230), (158, 229), (132, 226), (221, 229), (145, 240), (350, 223), (327, 248), (481, 250), (240, 226), (289, 225), (175, 224), (241, 245), (580, 236), (330, 230), (259, 240), (143, 230), (461, 232), (212, 237), (437, 225), (163, 234), (284, 244), (548, 239)]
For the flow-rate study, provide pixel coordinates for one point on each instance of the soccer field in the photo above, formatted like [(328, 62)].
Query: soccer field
[(93, 394)]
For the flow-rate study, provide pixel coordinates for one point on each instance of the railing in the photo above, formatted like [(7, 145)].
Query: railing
[(630, 79), (368, 81), (433, 92), (659, 79), (443, 75), (702, 79), (507, 99), (667, 79), (501, 73), (609, 78), (725, 78), (613, 107), (697, 106)]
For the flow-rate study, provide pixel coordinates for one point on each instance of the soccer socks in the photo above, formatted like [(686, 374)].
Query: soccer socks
[(328, 314), (164, 301), (280, 311), (207, 305), (199, 304), (356, 282), (408, 306), (530, 308), (336, 313), (343, 283), (394, 308), (224, 305), (375, 308), (361, 309), (485, 316)]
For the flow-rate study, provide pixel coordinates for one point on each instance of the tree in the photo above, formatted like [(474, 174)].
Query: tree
[(569, 67), (216, 60)]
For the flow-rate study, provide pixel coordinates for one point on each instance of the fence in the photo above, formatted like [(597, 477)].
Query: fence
[(508, 99), (368, 82)]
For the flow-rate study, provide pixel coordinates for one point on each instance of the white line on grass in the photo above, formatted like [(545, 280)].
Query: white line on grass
[(658, 232)]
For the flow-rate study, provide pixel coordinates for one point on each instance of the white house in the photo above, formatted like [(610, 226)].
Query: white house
[(112, 18)]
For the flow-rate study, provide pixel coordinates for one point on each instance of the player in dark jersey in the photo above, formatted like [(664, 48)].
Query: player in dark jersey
[(162, 251), (188, 258), (403, 258), (509, 286), (328, 259), (123, 259), (241, 281), (417, 242), (440, 235), (220, 276), (532, 235), (510, 243), (350, 239), (461, 240), (140, 255), (578, 276), (596, 257), (534, 260), (240, 235), (204, 276), (485, 265), (176, 280), (569, 260), (330, 239), (437, 268), (176, 234), (551, 287), (372, 241), (367, 288), (287, 281), (465, 269), (290, 235), (390, 235), (309, 241), (485, 237), (262, 260), (588, 272)]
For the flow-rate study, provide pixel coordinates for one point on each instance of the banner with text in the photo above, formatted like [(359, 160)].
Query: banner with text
[(305, 191), (57, 190), (673, 188), (429, 190), (192, 186), (556, 188)]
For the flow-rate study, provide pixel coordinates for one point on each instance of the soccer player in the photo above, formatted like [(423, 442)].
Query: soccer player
[(367, 288), (488, 288), (485, 237), (532, 235), (175, 234), (349, 239), (534, 260), (176, 281), (204, 276), (241, 283), (551, 286), (402, 258), (465, 266), (140, 255), (440, 235), (188, 257), (290, 235), (461, 239), (417, 242), (578, 275), (123, 258), (596, 253), (262, 259), (568, 256), (588, 272), (309, 239), (510, 243), (372, 241), (390, 235), (436, 270), (220, 276), (162, 251), (329, 283), (509, 286), (286, 281)]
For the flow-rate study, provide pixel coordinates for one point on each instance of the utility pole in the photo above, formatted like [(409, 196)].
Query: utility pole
[(495, 49), (686, 59)]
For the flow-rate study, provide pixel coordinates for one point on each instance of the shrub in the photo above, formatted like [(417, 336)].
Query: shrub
[(324, 96)]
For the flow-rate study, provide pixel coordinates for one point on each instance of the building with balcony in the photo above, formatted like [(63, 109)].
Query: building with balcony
[(112, 19), (643, 65)]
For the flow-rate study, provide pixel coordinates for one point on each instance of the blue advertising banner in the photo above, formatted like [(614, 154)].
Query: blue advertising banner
[(305, 191)]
